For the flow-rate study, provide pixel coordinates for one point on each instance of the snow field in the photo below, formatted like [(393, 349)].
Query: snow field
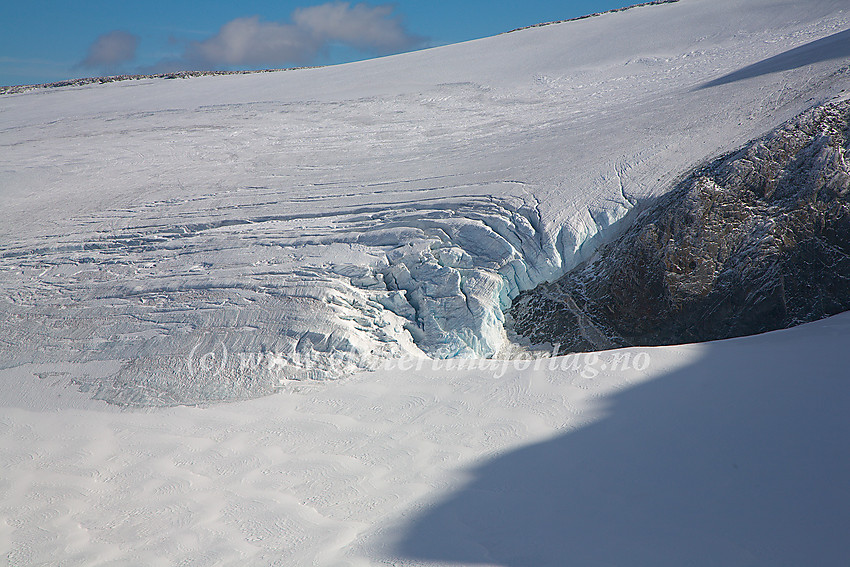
[(404, 468)]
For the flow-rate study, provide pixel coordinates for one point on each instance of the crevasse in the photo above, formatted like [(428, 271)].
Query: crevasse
[(459, 276)]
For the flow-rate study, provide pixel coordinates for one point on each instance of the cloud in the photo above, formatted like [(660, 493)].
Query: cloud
[(111, 49), (361, 26), (250, 41)]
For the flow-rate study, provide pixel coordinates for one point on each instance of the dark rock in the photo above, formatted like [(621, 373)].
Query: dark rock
[(755, 241)]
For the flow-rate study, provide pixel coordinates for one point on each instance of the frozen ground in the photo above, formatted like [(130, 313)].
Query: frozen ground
[(219, 238), (371, 210)]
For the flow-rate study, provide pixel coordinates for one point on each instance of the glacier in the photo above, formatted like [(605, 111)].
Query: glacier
[(173, 250), (217, 237)]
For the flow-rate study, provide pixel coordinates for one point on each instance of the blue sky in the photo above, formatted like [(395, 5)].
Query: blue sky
[(45, 41)]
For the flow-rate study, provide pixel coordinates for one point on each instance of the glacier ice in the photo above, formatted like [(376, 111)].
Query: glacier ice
[(218, 237), (251, 307)]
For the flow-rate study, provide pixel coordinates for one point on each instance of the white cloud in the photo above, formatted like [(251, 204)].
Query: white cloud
[(361, 26), (249, 41), (111, 49)]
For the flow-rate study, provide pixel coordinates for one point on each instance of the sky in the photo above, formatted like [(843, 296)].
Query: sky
[(52, 40)]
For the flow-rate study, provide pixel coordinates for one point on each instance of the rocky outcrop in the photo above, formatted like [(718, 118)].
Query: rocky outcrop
[(595, 14), (755, 241), (16, 89)]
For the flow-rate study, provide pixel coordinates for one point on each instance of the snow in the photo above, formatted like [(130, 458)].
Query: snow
[(167, 242), (727, 453)]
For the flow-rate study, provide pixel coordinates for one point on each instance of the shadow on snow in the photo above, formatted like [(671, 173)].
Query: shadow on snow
[(835, 46), (738, 459)]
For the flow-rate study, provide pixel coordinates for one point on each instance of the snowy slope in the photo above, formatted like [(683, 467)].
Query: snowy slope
[(729, 453), (370, 210)]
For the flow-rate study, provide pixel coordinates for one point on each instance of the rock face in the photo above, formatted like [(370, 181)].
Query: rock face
[(755, 241)]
